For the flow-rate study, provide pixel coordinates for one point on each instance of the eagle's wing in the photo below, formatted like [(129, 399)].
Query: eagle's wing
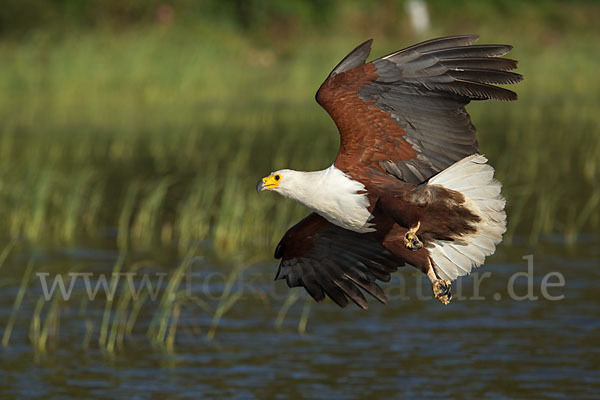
[(329, 260), (404, 114)]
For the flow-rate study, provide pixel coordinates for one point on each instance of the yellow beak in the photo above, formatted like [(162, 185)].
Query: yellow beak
[(267, 183)]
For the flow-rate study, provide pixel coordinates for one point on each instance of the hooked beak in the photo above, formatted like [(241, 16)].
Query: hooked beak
[(268, 183), (261, 185)]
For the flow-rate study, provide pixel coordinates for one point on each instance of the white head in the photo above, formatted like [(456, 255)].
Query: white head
[(286, 182)]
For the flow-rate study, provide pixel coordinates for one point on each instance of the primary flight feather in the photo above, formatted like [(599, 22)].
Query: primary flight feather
[(408, 185)]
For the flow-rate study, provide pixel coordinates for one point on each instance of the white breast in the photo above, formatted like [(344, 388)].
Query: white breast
[(332, 194)]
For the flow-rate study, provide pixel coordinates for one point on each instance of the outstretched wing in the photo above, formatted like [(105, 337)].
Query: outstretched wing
[(329, 260), (404, 114)]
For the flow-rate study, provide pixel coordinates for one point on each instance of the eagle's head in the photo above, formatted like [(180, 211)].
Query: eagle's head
[(285, 182)]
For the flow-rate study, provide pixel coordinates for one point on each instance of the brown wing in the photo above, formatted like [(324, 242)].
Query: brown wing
[(404, 114), (329, 260)]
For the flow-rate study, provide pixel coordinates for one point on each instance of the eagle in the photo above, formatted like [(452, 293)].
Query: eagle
[(408, 185)]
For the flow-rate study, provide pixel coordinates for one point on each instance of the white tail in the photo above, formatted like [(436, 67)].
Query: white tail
[(472, 177)]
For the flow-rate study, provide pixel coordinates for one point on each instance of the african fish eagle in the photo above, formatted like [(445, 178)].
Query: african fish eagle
[(408, 185)]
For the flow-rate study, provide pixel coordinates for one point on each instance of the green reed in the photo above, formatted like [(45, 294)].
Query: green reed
[(17, 303), (195, 125)]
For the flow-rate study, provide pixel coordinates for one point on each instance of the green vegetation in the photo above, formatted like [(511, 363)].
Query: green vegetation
[(193, 117), (161, 130)]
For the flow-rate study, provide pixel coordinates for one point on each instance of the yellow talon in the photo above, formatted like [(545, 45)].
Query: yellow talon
[(411, 241), (442, 291)]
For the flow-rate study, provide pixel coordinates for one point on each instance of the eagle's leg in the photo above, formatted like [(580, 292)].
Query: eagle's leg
[(442, 288), (411, 241)]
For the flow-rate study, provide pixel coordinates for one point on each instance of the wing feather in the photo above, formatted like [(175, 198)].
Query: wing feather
[(404, 114), (356, 57), (328, 260)]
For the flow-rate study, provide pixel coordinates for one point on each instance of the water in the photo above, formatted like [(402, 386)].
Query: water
[(489, 348)]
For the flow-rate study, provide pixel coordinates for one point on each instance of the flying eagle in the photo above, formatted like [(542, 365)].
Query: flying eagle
[(408, 185)]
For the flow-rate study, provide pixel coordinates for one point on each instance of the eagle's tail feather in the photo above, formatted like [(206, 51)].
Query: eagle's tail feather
[(474, 178)]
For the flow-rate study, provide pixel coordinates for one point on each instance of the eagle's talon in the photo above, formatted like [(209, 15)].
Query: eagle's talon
[(442, 290), (411, 240)]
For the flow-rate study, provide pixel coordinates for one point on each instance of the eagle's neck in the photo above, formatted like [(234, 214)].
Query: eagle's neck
[(333, 195)]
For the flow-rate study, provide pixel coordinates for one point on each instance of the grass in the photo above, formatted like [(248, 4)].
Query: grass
[(193, 125), (160, 134), (17, 304)]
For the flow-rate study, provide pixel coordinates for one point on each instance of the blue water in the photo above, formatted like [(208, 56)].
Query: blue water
[(490, 348)]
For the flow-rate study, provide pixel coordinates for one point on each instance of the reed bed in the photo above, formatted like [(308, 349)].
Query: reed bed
[(194, 125)]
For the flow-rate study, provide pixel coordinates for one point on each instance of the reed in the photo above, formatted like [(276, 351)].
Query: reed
[(195, 129), (17, 303), (122, 245), (227, 300)]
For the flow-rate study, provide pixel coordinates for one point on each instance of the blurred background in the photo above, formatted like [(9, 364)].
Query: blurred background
[(133, 133)]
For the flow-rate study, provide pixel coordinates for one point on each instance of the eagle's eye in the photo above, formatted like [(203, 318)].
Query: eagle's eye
[(277, 177)]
